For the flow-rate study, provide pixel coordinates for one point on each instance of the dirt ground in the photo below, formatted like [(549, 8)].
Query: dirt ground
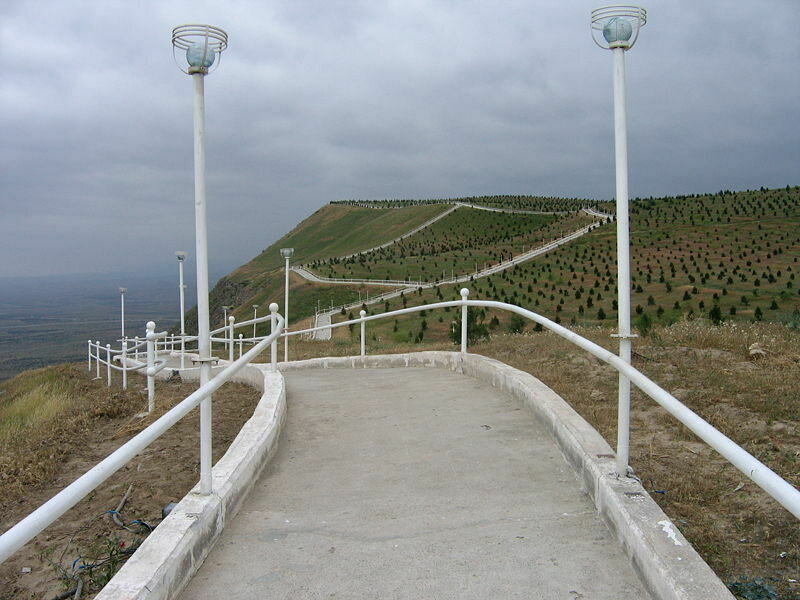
[(86, 535)]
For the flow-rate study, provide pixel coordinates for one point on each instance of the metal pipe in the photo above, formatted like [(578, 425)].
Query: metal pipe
[(231, 320), (363, 314), (21, 533), (464, 313), (255, 316), (151, 361), (286, 312), (124, 363), (182, 289), (201, 253), (623, 259), (273, 309), (108, 364)]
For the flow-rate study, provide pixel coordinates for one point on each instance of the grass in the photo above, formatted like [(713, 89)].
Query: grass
[(336, 230), (33, 400), (81, 421)]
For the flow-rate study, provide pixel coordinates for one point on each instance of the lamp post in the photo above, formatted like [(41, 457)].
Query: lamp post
[(225, 322), (255, 316), (202, 44), (181, 256), (122, 291), (620, 26), (286, 253)]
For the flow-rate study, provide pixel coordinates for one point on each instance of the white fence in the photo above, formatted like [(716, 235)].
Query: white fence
[(13, 539), (779, 489)]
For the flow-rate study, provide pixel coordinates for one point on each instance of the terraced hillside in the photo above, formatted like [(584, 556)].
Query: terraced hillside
[(341, 230), (464, 241), (723, 256)]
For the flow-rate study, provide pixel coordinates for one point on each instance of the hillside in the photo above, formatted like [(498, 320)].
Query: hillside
[(723, 256)]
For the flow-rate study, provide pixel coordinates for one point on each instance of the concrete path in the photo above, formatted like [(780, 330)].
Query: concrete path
[(413, 483), (322, 320)]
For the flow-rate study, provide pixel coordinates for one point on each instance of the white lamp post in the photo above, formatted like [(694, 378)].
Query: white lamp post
[(620, 27), (225, 322), (181, 256), (286, 253), (202, 44), (122, 291), (255, 316)]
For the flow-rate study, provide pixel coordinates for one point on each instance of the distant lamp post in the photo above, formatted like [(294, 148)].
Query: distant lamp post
[(620, 26), (181, 256), (255, 316), (202, 44), (225, 310), (286, 253), (122, 291)]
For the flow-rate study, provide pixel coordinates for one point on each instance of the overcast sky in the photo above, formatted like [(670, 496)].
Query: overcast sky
[(328, 100)]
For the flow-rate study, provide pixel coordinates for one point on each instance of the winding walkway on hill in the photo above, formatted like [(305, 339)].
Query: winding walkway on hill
[(404, 287)]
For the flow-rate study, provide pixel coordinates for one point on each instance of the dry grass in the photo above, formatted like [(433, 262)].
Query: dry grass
[(82, 423)]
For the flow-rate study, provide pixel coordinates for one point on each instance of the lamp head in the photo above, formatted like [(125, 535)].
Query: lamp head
[(287, 252), (619, 24), (202, 44), (200, 55), (123, 290), (181, 255), (615, 30)]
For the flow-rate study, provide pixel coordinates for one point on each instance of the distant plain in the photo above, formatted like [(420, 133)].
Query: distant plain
[(48, 320)]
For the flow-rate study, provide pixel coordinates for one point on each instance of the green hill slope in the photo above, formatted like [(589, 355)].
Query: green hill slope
[(724, 256), (337, 230)]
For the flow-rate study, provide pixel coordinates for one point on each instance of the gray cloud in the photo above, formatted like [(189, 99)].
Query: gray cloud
[(319, 101)]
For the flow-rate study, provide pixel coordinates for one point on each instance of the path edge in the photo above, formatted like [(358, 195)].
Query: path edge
[(172, 554), (667, 564)]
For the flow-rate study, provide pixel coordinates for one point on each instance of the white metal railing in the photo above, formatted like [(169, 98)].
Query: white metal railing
[(16, 537), (781, 490)]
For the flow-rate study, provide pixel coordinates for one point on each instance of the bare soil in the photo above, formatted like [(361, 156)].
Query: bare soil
[(164, 472)]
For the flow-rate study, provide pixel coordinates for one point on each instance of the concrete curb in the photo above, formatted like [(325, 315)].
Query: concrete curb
[(171, 555), (667, 564)]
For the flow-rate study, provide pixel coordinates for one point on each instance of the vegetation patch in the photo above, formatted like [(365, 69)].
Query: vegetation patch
[(85, 421)]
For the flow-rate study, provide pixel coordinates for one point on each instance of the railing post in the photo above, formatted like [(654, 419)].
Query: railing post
[(273, 309), (90, 355), (240, 344), (183, 350), (363, 333), (151, 362), (136, 347), (97, 359), (464, 296), (231, 320), (124, 363), (108, 364)]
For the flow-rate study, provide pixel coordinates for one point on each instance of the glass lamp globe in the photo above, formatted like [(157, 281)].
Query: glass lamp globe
[(200, 55), (617, 30)]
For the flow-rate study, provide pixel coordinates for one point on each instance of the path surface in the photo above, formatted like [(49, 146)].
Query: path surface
[(413, 483)]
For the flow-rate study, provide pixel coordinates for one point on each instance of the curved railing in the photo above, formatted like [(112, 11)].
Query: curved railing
[(781, 490), (34, 523)]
